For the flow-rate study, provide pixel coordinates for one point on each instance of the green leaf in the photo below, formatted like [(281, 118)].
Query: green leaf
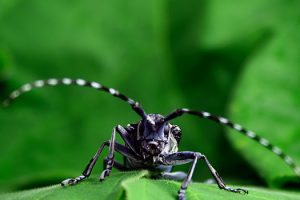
[(267, 100), (6, 63), (266, 97), (134, 186), (274, 117)]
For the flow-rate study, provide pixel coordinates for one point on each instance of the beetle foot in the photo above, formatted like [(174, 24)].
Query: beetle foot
[(238, 190), (181, 194), (181, 197), (104, 174), (72, 181)]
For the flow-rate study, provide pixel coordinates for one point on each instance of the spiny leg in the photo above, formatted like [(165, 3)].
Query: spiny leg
[(87, 172), (220, 181), (110, 157), (129, 143), (123, 150), (129, 152), (116, 165), (187, 157), (110, 162), (186, 181)]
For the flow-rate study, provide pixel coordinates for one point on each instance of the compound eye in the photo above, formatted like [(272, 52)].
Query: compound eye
[(166, 130), (140, 131)]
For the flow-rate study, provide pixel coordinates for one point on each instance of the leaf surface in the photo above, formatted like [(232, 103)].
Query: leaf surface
[(133, 186)]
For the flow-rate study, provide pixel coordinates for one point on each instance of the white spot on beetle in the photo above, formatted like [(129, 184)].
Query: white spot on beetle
[(52, 81), (80, 82), (131, 102), (251, 134), (66, 81), (264, 142), (15, 94), (26, 87), (223, 120), (96, 85), (39, 83), (276, 150), (206, 114), (288, 160), (113, 91), (237, 127)]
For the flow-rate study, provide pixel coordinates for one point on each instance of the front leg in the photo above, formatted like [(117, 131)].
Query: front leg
[(87, 172), (117, 165), (110, 162), (187, 157), (110, 158), (114, 146)]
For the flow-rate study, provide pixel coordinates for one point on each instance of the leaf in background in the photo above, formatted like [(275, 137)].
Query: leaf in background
[(131, 186), (271, 80), (267, 97), (6, 63)]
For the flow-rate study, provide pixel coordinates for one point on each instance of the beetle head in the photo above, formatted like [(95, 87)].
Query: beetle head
[(153, 134)]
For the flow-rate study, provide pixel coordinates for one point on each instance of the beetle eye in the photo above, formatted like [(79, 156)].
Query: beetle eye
[(140, 131), (166, 130)]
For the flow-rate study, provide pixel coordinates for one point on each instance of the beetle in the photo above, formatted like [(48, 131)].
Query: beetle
[(152, 143)]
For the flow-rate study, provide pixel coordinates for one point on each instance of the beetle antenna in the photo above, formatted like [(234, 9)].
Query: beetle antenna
[(221, 120), (79, 82)]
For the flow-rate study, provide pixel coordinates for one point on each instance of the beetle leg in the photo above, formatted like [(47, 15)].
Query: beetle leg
[(177, 176), (110, 157), (86, 173), (113, 146), (128, 141), (126, 137), (125, 151), (187, 157), (117, 165)]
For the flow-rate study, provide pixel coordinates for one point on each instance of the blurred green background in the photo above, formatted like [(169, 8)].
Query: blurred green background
[(232, 58)]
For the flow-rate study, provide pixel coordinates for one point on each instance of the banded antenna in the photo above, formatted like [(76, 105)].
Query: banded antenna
[(221, 120), (79, 82)]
